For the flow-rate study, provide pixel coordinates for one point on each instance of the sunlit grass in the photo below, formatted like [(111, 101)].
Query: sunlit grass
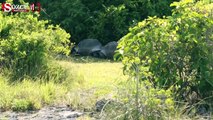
[(88, 80), (96, 80), (96, 74), (29, 95)]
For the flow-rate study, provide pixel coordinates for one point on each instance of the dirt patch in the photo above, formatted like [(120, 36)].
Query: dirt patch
[(46, 113)]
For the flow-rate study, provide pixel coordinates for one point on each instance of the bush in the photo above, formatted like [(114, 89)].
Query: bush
[(175, 52), (110, 24), (27, 44)]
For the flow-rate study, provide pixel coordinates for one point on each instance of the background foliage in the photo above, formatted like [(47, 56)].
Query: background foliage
[(105, 20)]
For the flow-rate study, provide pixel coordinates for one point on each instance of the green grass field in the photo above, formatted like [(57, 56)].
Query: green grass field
[(89, 80)]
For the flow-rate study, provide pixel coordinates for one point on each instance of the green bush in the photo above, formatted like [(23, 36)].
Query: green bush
[(27, 44), (175, 52), (110, 24)]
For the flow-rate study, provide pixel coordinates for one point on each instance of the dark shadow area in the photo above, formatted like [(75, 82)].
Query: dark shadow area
[(84, 59)]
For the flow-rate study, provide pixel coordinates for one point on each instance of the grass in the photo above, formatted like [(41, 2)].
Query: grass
[(97, 79), (89, 80), (29, 95)]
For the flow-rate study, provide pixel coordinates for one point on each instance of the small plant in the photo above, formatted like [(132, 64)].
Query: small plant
[(22, 105)]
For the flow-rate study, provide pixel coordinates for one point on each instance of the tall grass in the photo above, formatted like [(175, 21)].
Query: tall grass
[(30, 95)]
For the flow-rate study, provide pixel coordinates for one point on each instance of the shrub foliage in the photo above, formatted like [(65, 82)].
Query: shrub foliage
[(174, 52), (26, 44)]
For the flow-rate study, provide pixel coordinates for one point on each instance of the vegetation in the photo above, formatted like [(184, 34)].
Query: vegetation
[(81, 89), (173, 53), (26, 45), (95, 80), (167, 57), (29, 95), (106, 20)]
